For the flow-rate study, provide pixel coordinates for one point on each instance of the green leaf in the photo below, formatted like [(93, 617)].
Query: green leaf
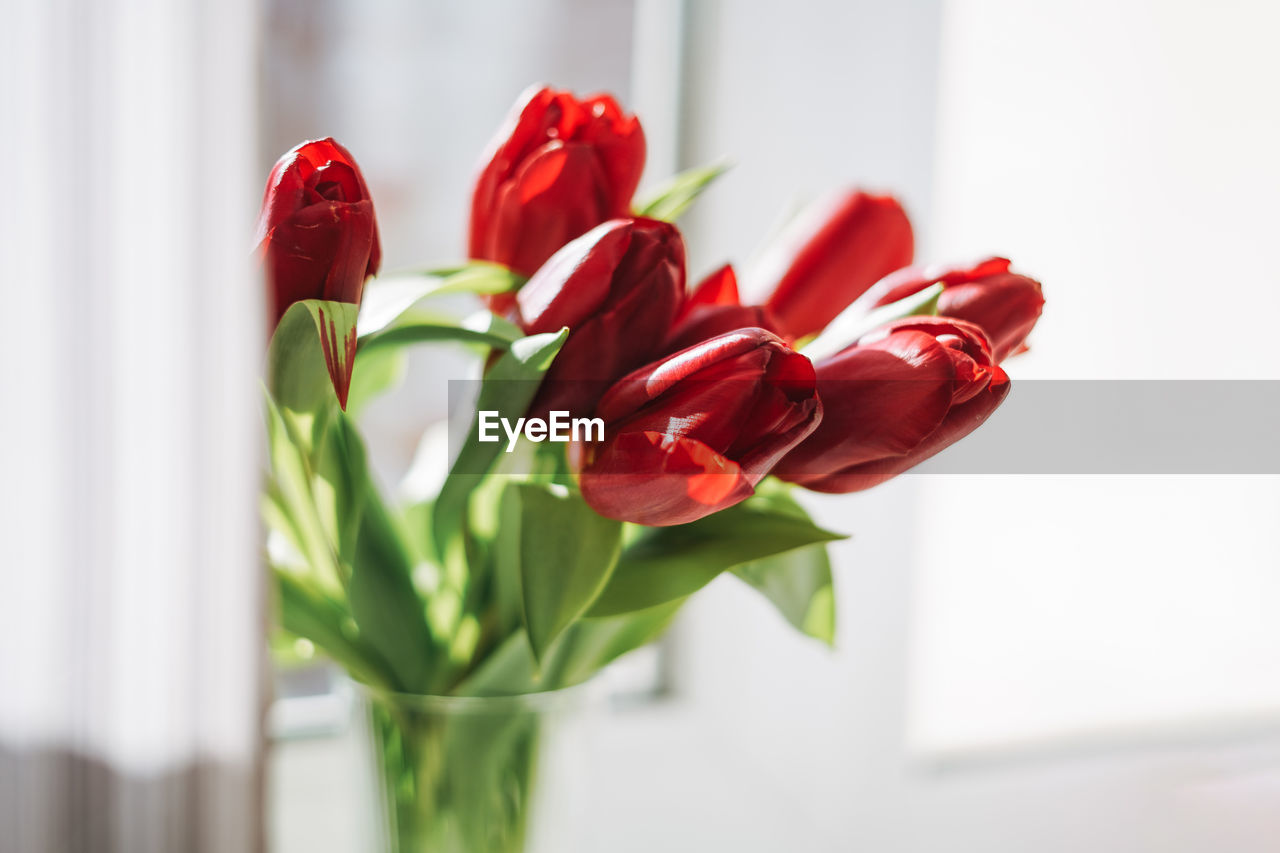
[(291, 503), (799, 584), (855, 321), (593, 643), (311, 354), (417, 525), (376, 373), (482, 277), (508, 388), (308, 612), (426, 332), (667, 563), (488, 322), (341, 486), (559, 551), (386, 607), (380, 358), (586, 647), (673, 198), (386, 298)]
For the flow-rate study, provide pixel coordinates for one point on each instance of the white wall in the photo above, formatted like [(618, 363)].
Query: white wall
[(802, 96), (1120, 152), (1124, 153)]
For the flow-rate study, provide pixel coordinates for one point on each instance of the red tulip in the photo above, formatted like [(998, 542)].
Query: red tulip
[(831, 255), (1005, 304), (618, 287), (715, 308), (694, 433), (317, 228), (319, 240), (557, 168), (895, 398)]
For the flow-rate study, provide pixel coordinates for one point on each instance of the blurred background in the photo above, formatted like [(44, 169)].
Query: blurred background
[(1049, 663)]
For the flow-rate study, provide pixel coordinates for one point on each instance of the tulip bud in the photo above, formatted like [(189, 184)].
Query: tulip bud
[(618, 287), (895, 398), (1006, 305), (831, 255), (317, 231), (557, 168), (715, 308), (694, 433)]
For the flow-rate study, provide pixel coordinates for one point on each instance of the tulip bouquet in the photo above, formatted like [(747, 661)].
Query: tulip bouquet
[(537, 561)]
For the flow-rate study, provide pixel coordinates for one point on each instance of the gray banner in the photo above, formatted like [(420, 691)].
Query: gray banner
[(1222, 427), (1124, 427)]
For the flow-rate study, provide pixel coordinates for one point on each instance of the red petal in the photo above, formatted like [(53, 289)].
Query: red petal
[(639, 387), (719, 288), (653, 479), (879, 399), (961, 421), (908, 280), (833, 254), (611, 152), (555, 197)]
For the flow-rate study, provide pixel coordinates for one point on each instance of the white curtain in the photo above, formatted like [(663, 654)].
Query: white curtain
[(131, 635)]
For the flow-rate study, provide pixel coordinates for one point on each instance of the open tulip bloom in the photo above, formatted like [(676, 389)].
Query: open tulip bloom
[(704, 416)]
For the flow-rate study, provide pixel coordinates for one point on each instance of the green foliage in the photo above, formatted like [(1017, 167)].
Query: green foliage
[(297, 370), (325, 621), (669, 201), (559, 552), (587, 646), (428, 332), (377, 371), (500, 584), (664, 564), (291, 502), (385, 605), (387, 299), (854, 322), (508, 388), (797, 582)]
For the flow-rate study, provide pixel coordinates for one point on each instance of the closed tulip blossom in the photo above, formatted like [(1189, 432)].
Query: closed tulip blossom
[(557, 168), (1005, 304), (714, 308), (694, 433), (831, 255), (317, 230), (318, 239), (896, 397), (618, 288)]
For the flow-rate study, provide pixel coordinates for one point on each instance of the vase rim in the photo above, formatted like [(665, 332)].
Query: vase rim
[(543, 700)]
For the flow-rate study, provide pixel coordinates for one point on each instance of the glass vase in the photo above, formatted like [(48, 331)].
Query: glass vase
[(500, 774)]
